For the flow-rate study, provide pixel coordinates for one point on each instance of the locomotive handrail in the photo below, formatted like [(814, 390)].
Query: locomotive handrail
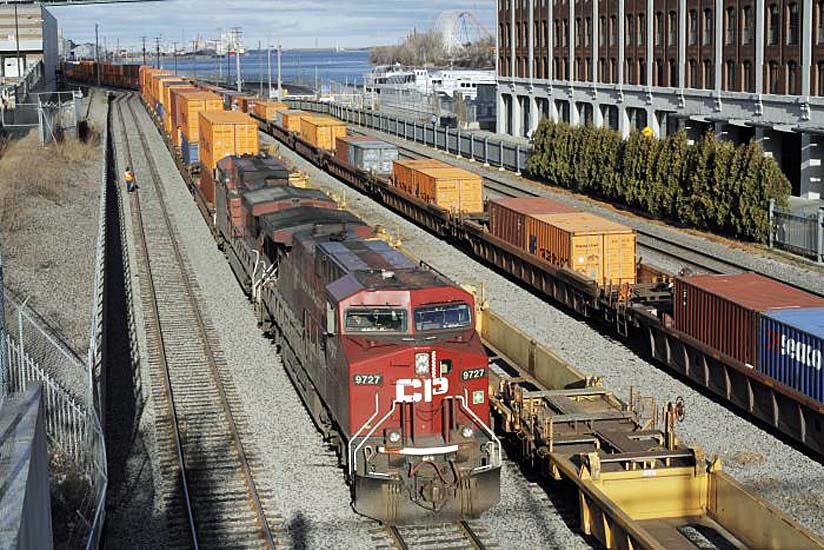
[(496, 459), (353, 455)]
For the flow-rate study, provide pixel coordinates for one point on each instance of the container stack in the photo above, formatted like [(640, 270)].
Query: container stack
[(268, 110), (403, 172), (187, 105), (366, 153), (289, 119), (597, 248), (166, 113), (762, 323), (322, 131), (222, 134)]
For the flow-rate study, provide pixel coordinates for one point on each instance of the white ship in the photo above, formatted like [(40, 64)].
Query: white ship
[(394, 79)]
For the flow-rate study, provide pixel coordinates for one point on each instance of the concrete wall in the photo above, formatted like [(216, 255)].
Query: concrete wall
[(36, 30), (25, 505)]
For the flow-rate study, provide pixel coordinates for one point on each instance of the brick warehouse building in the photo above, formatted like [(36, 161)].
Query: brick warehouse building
[(741, 68)]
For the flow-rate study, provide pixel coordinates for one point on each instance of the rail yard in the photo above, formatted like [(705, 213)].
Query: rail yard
[(417, 355)]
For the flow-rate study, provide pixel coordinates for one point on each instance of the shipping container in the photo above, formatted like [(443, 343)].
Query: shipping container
[(289, 119), (343, 150), (189, 151), (722, 311), (247, 103), (187, 105), (373, 156), (232, 99), (156, 88), (167, 87), (224, 133), (403, 172), (508, 216), (599, 249), (791, 349), (268, 110), (322, 131), (453, 189)]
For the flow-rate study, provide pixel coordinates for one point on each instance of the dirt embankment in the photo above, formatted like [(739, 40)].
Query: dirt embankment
[(49, 201)]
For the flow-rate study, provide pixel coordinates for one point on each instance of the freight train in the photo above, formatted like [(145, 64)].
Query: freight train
[(761, 350)]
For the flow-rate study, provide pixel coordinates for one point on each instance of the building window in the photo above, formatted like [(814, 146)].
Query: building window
[(577, 31), (792, 24), (628, 66), (642, 29), (613, 30), (602, 31), (659, 29), (746, 25), (729, 26), (518, 35), (820, 78), (672, 28), (587, 30), (628, 31), (707, 69), (772, 84), (556, 33), (730, 76), (692, 75), (792, 77), (673, 73), (819, 35), (746, 76), (613, 70), (693, 28), (706, 28), (642, 72), (659, 75), (773, 25)]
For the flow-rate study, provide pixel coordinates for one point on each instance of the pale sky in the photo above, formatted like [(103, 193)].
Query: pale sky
[(296, 23)]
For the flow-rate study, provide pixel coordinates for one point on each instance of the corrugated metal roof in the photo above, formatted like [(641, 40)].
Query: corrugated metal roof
[(754, 291), (582, 222)]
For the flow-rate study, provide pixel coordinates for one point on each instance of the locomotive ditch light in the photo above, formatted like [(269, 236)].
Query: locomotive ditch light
[(393, 436), (422, 364), (467, 432)]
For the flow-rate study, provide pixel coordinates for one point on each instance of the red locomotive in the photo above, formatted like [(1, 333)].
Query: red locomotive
[(383, 352)]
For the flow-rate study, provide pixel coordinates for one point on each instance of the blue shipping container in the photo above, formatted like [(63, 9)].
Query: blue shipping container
[(189, 151), (791, 348)]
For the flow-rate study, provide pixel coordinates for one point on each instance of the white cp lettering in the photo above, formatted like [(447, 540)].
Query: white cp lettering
[(421, 390)]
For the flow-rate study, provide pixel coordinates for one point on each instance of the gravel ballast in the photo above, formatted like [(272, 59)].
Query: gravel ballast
[(761, 461), (299, 470)]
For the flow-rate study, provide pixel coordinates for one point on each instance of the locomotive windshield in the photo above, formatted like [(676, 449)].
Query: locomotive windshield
[(442, 317), (383, 319)]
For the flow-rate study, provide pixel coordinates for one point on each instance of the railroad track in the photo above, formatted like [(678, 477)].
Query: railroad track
[(448, 536), (208, 476)]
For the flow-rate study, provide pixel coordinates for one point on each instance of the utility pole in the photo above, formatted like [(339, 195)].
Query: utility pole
[(157, 52), (259, 75), (174, 55), (317, 90), (17, 40), (269, 68), (96, 52), (144, 49), (280, 88), (237, 33)]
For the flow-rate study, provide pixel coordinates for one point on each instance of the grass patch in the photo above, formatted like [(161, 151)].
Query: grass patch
[(30, 171)]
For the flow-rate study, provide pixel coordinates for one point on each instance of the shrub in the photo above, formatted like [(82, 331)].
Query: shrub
[(711, 185)]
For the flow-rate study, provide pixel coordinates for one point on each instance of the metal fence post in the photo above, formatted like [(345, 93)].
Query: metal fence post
[(517, 159), (486, 151), (472, 147), (771, 222), (501, 145), (458, 142), (820, 255)]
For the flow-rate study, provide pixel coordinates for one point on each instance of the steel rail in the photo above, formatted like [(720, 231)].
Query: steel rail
[(462, 534), (202, 330)]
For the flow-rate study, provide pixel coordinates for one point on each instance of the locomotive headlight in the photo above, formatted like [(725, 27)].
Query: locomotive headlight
[(394, 436), (421, 364), (467, 432)]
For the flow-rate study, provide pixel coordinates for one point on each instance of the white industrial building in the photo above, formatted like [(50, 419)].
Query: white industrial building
[(30, 31)]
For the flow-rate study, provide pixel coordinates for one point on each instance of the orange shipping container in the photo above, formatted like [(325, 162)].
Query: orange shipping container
[(166, 101), (508, 217), (155, 88), (291, 120), (268, 110), (186, 105), (599, 249), (453, 189), (247, 103), (403, 172), (224, 133), (322, 132)]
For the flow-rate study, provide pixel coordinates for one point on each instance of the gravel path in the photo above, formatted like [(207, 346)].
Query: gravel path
[(753, 256), (762, 462), (308, 487)]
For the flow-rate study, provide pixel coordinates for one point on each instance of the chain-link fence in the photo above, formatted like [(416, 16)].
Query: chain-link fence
[(55, 114), (800, 232)]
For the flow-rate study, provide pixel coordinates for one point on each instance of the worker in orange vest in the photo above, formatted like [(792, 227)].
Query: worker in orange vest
[(129, 177)]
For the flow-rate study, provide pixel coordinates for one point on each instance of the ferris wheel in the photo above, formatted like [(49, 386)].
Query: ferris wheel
[(460, 28)]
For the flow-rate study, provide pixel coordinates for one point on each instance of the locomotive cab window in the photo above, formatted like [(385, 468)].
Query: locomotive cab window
[(442, 317), (364, 319)]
